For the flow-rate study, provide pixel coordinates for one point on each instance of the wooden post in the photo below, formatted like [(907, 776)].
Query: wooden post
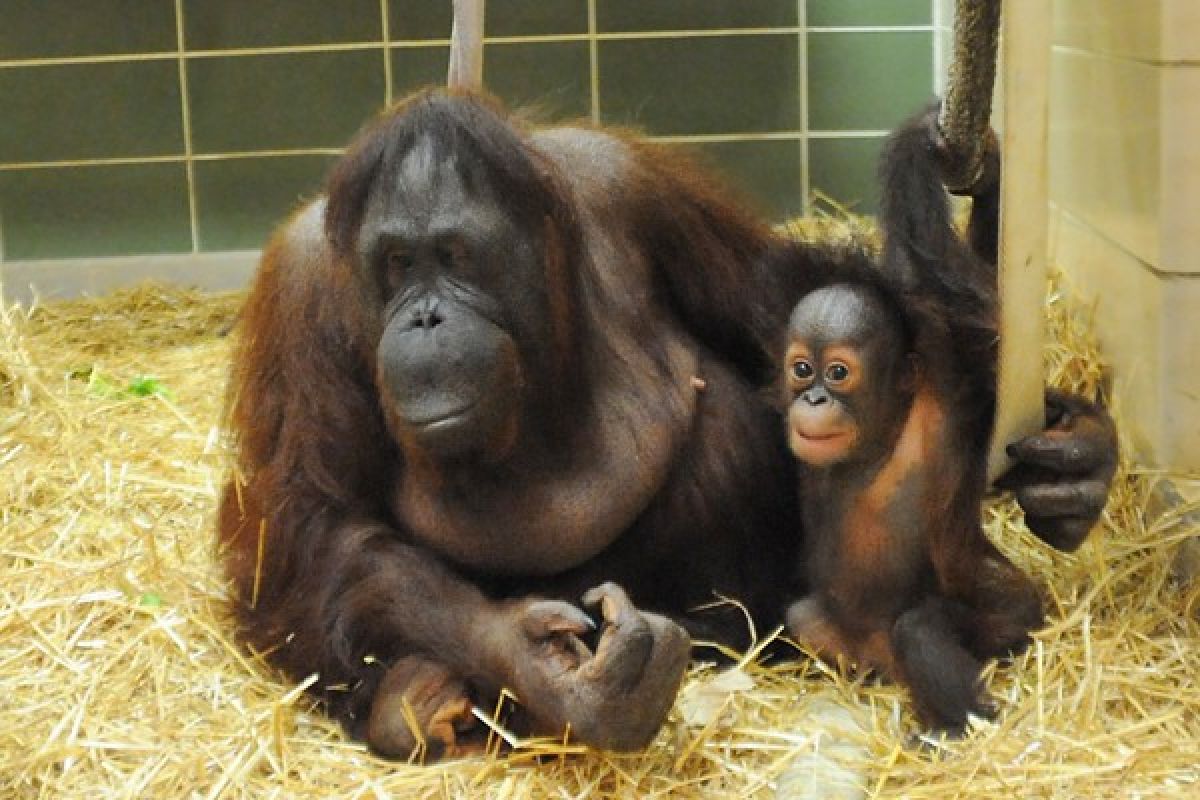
[(1025, 59)]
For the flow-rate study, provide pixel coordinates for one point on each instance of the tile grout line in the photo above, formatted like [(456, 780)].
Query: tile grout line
[(869, 28), (64, 61), (186, 117), (124, 161), (93, 162), (860, 133), (743, 136)]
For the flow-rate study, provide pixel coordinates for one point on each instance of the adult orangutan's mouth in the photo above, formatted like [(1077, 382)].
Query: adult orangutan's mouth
[(442, 418)]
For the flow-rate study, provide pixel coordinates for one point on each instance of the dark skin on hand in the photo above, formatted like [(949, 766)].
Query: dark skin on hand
[(889, 383), (498, 395)]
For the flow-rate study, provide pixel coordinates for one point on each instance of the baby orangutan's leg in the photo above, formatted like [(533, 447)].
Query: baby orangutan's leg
[(877, 652), (809, 623), (1004, 607), (939, 671)]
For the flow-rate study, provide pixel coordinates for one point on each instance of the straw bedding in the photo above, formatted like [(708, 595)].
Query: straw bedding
[(118, 677)]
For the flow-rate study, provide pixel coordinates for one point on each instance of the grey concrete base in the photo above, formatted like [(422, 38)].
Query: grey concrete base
[(22, 281)]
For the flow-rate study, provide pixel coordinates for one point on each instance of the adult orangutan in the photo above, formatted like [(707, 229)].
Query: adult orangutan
[(495, 371)]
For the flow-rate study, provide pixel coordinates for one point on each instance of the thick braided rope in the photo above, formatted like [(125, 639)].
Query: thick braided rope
[(967, 106)]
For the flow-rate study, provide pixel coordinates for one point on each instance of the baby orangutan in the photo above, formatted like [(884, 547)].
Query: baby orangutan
[(889, 385)]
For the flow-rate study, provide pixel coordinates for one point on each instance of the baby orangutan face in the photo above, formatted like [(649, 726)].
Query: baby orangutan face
[(845, 375)]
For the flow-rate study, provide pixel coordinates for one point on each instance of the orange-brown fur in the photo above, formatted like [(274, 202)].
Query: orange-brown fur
[(917, 454)]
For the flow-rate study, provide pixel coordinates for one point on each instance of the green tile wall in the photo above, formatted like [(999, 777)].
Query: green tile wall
[(282, 101), (130, 132), (414, 67), (106, 210), (550, 77), (891, 75), (62, 28), (425, 19), (417, 20), (843, 168), (862, 13), (703, 85), (641, 15), (221, 25), (767, 173), (237, 200), (86, 111), (553, 77)]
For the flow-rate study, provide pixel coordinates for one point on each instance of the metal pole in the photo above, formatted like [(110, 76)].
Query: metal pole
[(466, 45)]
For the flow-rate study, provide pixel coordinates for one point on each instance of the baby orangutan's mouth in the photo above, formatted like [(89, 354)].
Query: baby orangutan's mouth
[(821, 448)]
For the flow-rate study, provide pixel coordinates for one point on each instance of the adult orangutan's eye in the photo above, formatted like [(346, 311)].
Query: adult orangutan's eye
[(399, 260)]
